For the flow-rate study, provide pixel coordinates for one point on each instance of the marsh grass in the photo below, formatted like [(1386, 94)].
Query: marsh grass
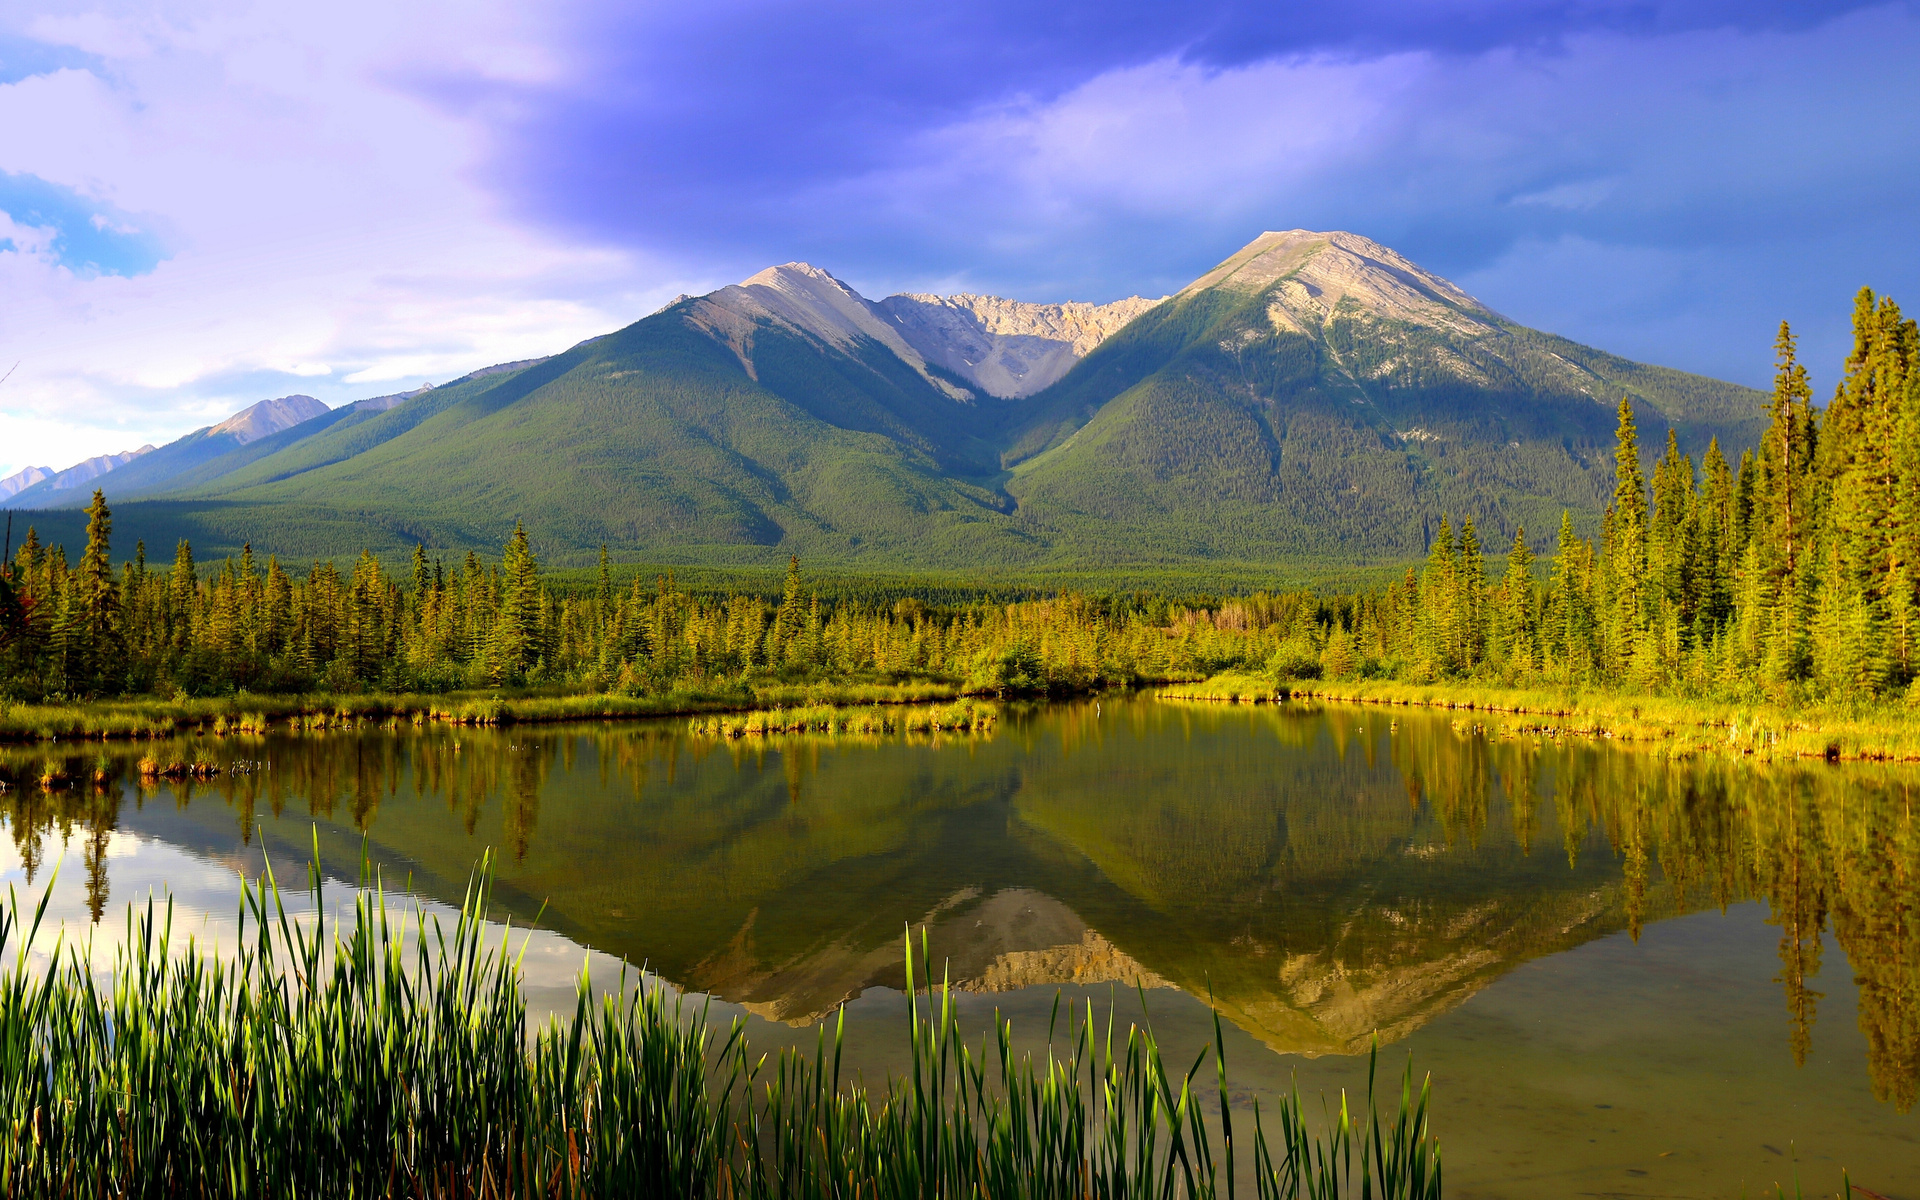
[(959, 716), (1666, 724), (248, 715), (1230, 687), (356, 1060)]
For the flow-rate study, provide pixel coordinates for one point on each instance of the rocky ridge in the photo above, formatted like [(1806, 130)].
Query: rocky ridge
[(269, 417), (1009, 348), (1006, 348)]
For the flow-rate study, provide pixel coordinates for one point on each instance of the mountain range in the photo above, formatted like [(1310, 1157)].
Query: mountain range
[(1315, 398)]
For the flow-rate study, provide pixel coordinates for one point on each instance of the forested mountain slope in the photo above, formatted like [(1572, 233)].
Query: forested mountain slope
[(1318, 394), (1316, 397)]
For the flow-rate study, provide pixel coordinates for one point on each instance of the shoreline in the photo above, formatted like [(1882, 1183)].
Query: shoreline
[(1877, 733), (1881, 733), (151, 718)]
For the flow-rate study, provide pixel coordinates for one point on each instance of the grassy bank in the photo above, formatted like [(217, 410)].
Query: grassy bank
[(1875, 733), (153, 717), (358, 1061), (960, 716)]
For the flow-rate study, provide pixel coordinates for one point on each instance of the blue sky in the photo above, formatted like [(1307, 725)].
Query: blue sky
[(208, 202)]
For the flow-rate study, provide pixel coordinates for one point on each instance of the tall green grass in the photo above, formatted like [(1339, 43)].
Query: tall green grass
[(352, 1060)]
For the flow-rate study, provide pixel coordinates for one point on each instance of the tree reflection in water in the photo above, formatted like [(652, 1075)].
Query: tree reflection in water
[(1326, 872)]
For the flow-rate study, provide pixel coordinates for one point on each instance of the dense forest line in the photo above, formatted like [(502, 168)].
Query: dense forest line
[(1794, 574)]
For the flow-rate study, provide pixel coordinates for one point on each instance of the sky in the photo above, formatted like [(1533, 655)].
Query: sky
[(205, 203)]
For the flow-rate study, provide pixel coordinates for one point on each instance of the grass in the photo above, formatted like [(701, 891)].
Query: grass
[(1885, 732), (151, 717), (356, 1061), (967, 715), (1228, 686)]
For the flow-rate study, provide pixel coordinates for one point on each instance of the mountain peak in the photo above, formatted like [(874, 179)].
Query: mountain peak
[(807, 298), (1312, 274), (1011, 348), (269, 417)]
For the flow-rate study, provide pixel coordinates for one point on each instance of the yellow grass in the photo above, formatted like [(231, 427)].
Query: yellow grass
[(1877, 732), (1231, 687), (152, 718), (965, 714)]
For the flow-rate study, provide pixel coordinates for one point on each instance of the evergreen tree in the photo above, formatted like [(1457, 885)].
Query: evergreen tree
[(1626, 547), (94, 651), (517, 633), (183, 590), (791, 617), (1521, 626), (1714, 537), (1469, 601), (422, 574)]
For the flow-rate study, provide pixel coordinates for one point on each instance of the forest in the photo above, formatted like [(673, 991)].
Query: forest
[(1790, 575)]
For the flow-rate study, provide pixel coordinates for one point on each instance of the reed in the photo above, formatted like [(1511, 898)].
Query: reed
[(246, 715), (1229, 686), (960, 716), (356, 1061), (1873, 732)]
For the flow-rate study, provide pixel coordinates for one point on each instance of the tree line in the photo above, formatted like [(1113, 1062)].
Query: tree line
[(1794, 573)]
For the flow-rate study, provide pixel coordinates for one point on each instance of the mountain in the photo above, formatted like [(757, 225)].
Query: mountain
[(24, 478), (269, 417), (1006, 348), (28, 485), (1318, 394), (171, 462), (1314, 399)]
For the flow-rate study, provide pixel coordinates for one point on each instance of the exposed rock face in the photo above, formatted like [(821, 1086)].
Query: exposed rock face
[(1323, 269), (805, 297), (23, 479), (374, 404), (1010, 348), (269, 417), (83, 472), (1313, 280)]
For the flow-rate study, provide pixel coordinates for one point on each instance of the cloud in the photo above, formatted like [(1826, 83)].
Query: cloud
[(315, 221), (233, 199), (86, 236), (1067, 155)]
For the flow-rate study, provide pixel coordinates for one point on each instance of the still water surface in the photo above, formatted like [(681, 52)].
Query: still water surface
[(1627, 977)]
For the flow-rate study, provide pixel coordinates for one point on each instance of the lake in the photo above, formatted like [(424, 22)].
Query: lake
[(1626, 976)]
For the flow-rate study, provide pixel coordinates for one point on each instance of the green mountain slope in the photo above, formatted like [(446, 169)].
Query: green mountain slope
[(253, 432), (1315, 399), (1317, 394), (652, 439)]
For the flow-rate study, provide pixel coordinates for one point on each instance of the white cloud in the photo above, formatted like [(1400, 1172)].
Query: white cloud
[(324, 228)]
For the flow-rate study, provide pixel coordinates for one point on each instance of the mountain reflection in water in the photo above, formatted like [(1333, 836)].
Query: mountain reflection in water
[(1325, 873)]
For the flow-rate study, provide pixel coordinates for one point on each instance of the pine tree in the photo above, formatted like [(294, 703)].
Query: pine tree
[(1517, 606), (1435, 610), (517, 634), (790, 618), (422, 575), (1626, 548), (183, 591), (1714, 536), (1469, 601), (94, 653), (1571, 630), (1672, 548)]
